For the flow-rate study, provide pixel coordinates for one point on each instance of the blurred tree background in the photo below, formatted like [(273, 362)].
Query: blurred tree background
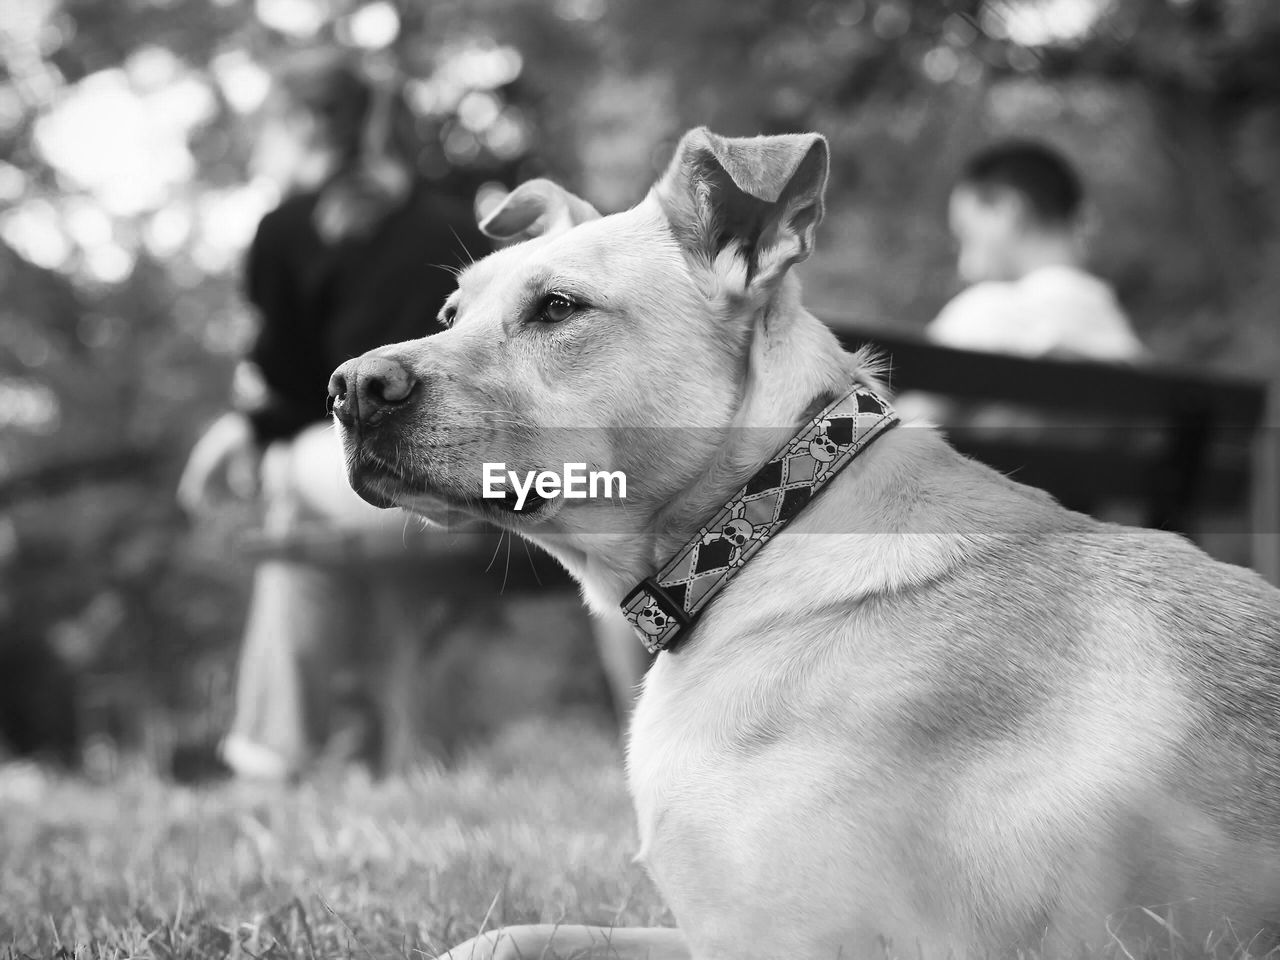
[(125, 208)]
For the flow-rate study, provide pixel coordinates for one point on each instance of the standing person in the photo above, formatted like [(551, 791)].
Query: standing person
[(358, 255), (1016, 213)]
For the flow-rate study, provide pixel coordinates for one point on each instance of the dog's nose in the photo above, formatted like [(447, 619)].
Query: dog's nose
[(366, 388)]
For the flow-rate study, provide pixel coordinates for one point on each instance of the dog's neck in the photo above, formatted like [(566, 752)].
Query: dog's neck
[(794, 363), (794, 360)]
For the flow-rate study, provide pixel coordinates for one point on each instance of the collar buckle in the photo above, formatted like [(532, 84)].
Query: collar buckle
[(656, 615)]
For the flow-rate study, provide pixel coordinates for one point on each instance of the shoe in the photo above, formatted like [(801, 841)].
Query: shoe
[(253, 761)]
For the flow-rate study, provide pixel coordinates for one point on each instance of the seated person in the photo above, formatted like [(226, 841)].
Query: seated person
[(1016, 215)]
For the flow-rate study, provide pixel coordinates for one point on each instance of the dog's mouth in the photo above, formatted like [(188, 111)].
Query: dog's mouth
[(386, 485), (509, 503), (375, 481)]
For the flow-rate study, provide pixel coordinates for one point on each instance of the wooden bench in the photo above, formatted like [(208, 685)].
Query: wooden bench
[(1182, 444)]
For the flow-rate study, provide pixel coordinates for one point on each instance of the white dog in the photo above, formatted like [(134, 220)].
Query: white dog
[(937, 715)]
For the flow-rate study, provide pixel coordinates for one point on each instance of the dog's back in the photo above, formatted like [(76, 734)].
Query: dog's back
[(1110, 700), (1072, 730)]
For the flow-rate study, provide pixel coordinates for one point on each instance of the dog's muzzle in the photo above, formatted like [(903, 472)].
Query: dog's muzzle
[(362, 394), (363, 391)]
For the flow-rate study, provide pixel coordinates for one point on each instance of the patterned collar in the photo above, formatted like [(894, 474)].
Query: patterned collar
[(669, 602)]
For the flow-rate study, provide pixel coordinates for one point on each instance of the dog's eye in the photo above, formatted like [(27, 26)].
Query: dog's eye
[(556, 308), (448, 315)]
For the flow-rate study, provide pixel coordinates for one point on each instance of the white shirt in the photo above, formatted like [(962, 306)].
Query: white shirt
[(1052, 310)]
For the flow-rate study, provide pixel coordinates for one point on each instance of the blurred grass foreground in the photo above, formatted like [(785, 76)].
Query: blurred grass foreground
[(534, 826)]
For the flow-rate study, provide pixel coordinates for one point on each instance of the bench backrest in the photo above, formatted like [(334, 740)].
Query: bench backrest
[(1179, 440), (1124, 391)]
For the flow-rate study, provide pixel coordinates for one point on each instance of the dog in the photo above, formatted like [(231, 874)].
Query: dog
[(938, 715)]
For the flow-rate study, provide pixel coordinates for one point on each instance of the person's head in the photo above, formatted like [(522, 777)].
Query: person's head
[(1013, 202), (314, 121), (329, 124)]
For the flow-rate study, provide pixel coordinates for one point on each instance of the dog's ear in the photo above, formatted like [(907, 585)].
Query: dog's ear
[(757, 200), (534, 209)]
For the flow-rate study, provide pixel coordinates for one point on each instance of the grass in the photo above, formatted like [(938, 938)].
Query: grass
[(533, 827), (536, 826)]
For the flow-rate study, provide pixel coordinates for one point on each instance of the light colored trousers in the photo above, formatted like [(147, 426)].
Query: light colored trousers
[(308, 624)]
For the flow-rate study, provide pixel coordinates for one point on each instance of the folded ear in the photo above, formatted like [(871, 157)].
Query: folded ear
[(534, 209), (755, 200)]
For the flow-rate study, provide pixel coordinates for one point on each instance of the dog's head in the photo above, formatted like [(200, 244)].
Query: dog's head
[(620, 342)]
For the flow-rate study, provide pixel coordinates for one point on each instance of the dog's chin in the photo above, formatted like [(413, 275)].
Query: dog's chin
[(381, 485), (503, 510), (373, 487), (444, 510), (374, 481)]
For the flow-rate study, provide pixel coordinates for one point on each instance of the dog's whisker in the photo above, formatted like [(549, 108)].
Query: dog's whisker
[(496, 547), (507, 569), (532, 563), (470, 256), (453, 271)]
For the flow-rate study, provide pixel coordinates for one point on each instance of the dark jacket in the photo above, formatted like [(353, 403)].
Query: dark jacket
[(321, 305)]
